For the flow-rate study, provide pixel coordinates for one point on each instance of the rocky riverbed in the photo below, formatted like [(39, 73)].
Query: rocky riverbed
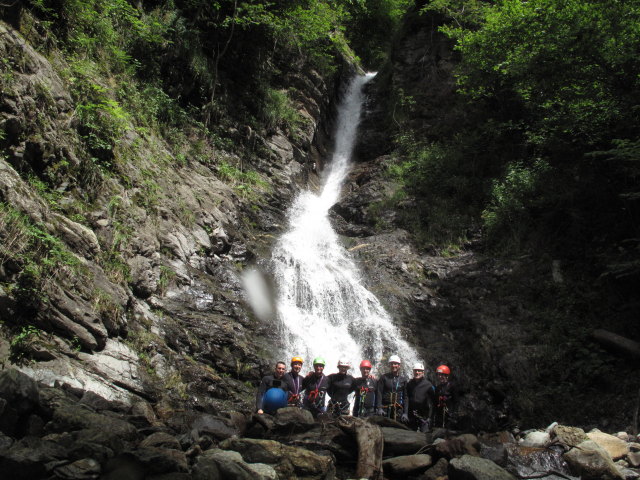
[(50, 433)]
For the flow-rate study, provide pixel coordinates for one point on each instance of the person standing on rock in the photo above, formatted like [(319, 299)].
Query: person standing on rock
[(268, 382), (391, 394), (365, 401), (420, 405), (444, 398), (341, 385), (315, 388), (294, 382)]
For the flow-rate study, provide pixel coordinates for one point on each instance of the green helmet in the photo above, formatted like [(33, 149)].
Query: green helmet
[(319, 361)]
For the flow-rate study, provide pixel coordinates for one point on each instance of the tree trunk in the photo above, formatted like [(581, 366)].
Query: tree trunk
[(370, 445), (617, 342)]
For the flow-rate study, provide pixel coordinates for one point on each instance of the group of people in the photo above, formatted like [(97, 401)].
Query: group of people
[(416, 401)]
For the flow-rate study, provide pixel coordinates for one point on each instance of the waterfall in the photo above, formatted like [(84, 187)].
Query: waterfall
[(322, 304)]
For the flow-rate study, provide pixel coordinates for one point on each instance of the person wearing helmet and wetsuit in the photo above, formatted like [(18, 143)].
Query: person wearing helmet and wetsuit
[(391, 394), (444, 397), (294, 382), (315, 388), (271, 381), (365, 402), (341, 385), (420, 405)]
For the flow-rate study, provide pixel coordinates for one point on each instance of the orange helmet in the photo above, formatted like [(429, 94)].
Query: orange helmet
[(365, 364), (443, 369), (296, 359)]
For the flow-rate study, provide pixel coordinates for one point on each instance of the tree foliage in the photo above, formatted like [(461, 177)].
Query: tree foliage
[(553, 83)]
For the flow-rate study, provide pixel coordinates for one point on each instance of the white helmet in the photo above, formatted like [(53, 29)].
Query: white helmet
[(344, 363), (418, 366), (394, 359)]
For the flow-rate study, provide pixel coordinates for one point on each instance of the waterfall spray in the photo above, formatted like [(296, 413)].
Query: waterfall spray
[(323, 306)]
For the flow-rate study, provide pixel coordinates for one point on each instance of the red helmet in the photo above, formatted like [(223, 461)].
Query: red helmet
[(443, 369), (365, 364)]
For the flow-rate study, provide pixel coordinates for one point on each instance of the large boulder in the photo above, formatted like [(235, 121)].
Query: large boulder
[(19, 396), (322, 438), (293, 419), (615, 447), (406, 465), (217, 427), (289, 462), (29, 458), (530, 461), (570, 436), (402, 442), (592, 462), (219, 464), (469, 467)]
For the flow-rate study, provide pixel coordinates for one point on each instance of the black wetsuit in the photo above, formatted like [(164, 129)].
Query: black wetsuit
[(391, 395), (269, 381), (419, 403), (340, 387), (315, 391), (444, 398), (365, 402), (294, 382)]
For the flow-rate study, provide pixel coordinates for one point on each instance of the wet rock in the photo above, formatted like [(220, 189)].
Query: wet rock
[(84, 469), (469, 467), (493, 446), (402, 442), (615, 447), (592, 462), (531, 461), (406, 465)]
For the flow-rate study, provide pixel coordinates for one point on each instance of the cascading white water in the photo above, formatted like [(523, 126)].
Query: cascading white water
[(322, 304)]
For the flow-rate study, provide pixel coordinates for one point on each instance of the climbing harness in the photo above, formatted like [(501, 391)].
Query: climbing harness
[(394, 405)]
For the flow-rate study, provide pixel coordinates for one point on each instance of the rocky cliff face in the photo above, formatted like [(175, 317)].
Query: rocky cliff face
[(125, 282)]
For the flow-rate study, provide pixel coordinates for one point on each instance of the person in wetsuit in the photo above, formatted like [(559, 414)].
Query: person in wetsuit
[(391, 393), (275, 380), (315, 388), (444, 397), (420, 405), (364, 404), (294, 382), (341, 385)]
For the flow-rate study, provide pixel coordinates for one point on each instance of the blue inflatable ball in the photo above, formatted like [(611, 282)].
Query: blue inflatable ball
[(273, 399)]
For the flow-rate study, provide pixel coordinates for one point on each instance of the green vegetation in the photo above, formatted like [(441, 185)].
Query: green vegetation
[(34, 254), (22, 344), (545, 150)]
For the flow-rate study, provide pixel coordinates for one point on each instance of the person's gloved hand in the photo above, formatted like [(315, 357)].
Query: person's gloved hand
[(404, 418), (380, 412)]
